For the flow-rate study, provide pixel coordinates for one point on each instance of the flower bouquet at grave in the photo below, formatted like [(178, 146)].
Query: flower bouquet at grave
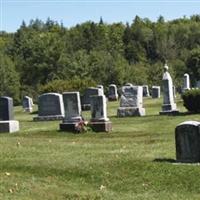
[(80, 126)]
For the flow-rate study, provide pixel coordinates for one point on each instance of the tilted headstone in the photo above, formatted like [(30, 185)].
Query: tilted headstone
[(186, 82), (112, 93), (72, 106), (145, 91), (99, 120), (169, 106), (50, 107), (85, 99), (7, 122), (155, 92), (27, 104), (187, 137), (131, 102)]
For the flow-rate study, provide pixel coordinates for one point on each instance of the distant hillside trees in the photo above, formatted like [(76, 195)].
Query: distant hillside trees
[(43, 52)]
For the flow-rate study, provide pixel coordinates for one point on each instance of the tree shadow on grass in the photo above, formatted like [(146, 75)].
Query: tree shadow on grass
[(165, 160)]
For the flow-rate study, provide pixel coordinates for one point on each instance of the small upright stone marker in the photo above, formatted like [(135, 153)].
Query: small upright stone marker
[(50, 107), (112, 93), (7, 122), (187, 136), (155, 92), (99, 121), (72, 105), (131, 102), (145, 91), (27, 104), (169, 106), (85, 99), (186, 82)]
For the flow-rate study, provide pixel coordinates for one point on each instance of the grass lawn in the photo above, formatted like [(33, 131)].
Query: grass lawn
[(132, 162)]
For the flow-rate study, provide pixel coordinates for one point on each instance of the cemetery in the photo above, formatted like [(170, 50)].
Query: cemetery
[(99, 109), (99, 153)]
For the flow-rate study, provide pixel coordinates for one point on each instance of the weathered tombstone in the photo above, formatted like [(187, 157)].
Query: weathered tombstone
[(7, 122), (155, 92), (99, 121), (112, 93), (101, 87), (85, 99), (27, 104), (50, 107), (169, 106), (186, 82), (187, 137), (72, 106), (131, 102), (145, 91)]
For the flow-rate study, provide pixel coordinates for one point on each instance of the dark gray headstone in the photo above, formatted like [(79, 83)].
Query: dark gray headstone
[(155, 93), (50, 104), (6, 108), (187, 136)]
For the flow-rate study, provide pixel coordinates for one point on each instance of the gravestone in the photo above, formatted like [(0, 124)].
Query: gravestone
[(187, 137), (7, 122), (112, 93), (155, 92), (99, 121), (145, 91), (72, 106), (50, 107), (131, 102), (169, 106), (186, 82), (85, 99), (27, 104)]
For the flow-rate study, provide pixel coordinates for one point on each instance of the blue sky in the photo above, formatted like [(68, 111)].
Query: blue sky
[(71, 12)]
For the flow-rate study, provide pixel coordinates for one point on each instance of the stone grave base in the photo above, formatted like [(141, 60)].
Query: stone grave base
[(101, 126), (69, 126), (85, 107), (9, 126), (48, 118), (130, 111), (169, 112)]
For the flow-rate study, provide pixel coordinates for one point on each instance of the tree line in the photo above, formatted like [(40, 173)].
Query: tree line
[(43, 56)]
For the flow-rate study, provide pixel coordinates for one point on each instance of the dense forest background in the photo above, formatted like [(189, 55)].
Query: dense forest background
[(46, 56)]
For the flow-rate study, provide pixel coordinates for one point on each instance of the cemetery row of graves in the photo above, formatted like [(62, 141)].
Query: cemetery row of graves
[(68, 108)]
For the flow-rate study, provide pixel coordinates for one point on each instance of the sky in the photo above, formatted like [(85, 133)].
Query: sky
[(72, 12)]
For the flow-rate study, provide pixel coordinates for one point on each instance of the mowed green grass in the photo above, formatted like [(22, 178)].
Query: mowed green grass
[(135, 161)]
